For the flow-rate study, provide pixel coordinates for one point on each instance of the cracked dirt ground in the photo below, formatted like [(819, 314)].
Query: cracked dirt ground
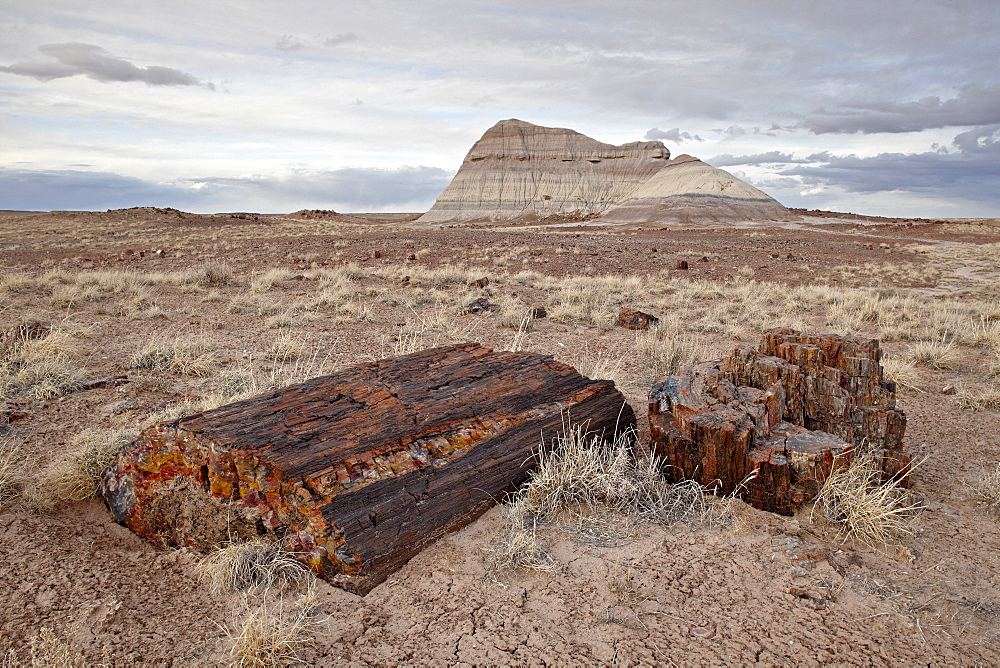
[(769, 590)]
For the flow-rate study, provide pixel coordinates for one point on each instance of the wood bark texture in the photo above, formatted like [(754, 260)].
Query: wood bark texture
[(770, 425), (356, 472)]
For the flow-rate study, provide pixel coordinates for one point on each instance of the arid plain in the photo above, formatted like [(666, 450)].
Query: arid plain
[(196, 310)]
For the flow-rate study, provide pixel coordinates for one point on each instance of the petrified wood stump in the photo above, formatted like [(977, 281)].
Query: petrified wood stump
[(770, 425), (356, 472)]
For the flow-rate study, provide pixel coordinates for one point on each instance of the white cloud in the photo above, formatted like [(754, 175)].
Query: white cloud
[(432, 79)]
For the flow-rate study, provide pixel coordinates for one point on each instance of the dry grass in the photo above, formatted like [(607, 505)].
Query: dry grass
[(184, 356), (48, 650), (519, 547), (77, 476), (601, 366), (663, 350), (903, 372), (270, 635), (520, 337), (11, 473), (253, 567), (214, 273), (592, 300), (866, 508), (242, 383), (984, 400), (585, 478), (986, 334), (987, 491), (993, 367), (934, 354), (288, 347), (436, 327), (271, 278), (40, 369)]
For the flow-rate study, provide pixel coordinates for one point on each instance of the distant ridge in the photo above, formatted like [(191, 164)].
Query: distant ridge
[(519, 171)]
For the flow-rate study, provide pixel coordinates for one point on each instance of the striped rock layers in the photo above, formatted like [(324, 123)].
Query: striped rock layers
[(523, 172)]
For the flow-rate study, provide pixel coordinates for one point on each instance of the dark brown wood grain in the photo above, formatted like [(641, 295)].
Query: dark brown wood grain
[(359, 470), (769, 425)]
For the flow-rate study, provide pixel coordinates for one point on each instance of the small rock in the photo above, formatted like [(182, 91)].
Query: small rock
[(703, 258), (704, 632), (125, 407), (411, 257), (538, 312), (478, 305), (630, 318), (682, 265), (377, 255)]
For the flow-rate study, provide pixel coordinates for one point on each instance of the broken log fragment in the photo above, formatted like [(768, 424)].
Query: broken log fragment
[(770, 425), (110, 381), (631, 318), (358, 471)]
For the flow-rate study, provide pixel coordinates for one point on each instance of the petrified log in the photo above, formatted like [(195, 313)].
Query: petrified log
[(356, 472), (631, 318), (771, 424)]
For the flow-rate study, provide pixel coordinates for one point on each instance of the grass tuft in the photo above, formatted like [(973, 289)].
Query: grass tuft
[(38, 366), (77, 477), (519, 547), (288, 347), (586, 478), (253, 567), (903, 372), (11, 476), (875, 512), (48, 650), (663, 350), (181, 356), (270, 636), (934, 354), (986, 400), (214, 274), (987, 491)]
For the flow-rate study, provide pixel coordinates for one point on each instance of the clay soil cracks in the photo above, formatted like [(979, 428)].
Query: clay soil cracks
[(266, 298)]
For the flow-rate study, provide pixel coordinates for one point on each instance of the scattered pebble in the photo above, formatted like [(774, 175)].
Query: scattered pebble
[(705, 632)]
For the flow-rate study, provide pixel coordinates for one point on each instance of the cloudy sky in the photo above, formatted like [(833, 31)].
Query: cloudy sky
[(887, 107)]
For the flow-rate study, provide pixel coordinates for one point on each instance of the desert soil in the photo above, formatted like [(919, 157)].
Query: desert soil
[(767, 589)]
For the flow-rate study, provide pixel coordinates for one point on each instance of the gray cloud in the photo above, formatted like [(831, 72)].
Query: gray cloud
[(739, 131), (969, 173), (973, 105), (674, 135), (67, 189), (340, 38), (979, 140), (73, 58), (728, 160), (350, 189), (289, 43)]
